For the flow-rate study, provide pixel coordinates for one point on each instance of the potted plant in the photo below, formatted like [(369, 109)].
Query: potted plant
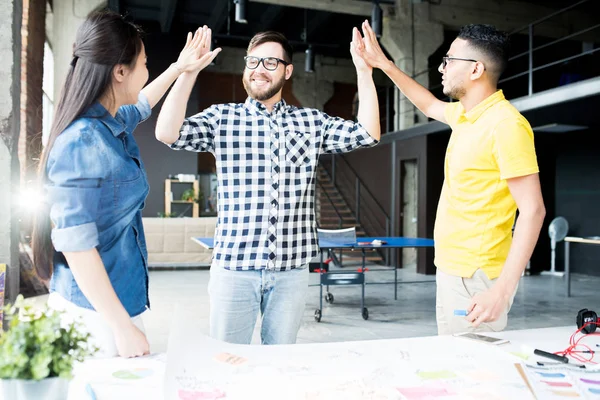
[(38, 351), (189, 195)]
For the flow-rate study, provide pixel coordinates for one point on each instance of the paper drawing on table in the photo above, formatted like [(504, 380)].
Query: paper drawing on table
[(444, 374), (560, 383), (199, 395), (198, 365), (425, 393), (134, 373), (136, 378), (229, 358)]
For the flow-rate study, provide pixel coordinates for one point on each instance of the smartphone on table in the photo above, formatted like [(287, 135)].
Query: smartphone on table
[(481, 338)]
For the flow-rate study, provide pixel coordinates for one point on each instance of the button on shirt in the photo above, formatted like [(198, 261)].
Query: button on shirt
[(96, 188), (266, 165)]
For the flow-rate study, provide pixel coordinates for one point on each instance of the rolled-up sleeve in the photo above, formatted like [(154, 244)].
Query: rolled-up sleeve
[(132, 115), (75, 172), (342, 136), (198, 132)]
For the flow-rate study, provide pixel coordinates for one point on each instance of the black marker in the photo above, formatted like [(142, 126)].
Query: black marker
[(552, 356), (541, 364)]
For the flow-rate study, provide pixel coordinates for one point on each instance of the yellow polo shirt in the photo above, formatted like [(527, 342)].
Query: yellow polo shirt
[(489, 144)]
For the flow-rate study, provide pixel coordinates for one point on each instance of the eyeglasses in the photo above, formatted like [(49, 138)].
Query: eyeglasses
[(446, 59), (270, 63)]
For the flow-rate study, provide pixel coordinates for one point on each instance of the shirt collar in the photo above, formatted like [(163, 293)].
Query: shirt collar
[(480, 108), (255, 105), (98, 111)]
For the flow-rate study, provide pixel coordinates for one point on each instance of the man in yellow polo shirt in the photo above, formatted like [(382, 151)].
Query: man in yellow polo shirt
[(490, 171)]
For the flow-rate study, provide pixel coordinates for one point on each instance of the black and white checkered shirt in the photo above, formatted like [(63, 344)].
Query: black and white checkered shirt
[(266, 165)]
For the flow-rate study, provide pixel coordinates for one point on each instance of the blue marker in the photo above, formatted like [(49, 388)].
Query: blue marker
[(461, 313), (90, 392)]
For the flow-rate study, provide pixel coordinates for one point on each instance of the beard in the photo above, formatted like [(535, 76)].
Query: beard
[(265, 93), (455, 92)]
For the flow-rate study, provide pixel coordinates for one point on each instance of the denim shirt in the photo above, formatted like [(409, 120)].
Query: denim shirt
[(96, 189)]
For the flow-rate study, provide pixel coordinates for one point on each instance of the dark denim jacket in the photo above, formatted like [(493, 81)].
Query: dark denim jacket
[(96, 190)]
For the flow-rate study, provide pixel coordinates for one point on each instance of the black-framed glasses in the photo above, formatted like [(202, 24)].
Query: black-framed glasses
[(447, 58), (270, 63)]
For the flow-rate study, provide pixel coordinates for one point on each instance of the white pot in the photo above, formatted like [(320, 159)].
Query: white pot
[(45, 389)]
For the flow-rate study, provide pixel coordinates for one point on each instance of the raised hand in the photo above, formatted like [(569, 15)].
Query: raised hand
[(370, 51), (355, 47), (196, 53)]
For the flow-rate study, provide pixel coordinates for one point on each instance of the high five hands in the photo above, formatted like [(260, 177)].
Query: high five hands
[(367, 47), (196, 54)]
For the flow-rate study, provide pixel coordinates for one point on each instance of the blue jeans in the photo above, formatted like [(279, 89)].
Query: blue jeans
[(237, 296)]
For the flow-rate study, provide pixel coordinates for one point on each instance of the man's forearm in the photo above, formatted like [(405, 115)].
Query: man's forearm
[(527, 231), (172, 112), (368, 105), (417, 94)]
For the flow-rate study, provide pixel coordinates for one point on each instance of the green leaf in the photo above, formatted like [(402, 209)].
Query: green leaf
[(39, 344)]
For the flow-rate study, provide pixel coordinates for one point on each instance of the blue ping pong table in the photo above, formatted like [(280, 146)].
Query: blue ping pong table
[(363, 244)]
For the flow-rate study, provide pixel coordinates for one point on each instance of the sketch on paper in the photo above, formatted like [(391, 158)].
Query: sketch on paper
[(403, 369), (562, 382)]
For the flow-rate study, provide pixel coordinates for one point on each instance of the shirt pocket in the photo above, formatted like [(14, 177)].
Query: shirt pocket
[(129, 169), (298, 148), (129, 183)]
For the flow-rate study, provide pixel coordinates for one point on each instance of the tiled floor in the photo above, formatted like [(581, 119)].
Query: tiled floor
[(540, 302)]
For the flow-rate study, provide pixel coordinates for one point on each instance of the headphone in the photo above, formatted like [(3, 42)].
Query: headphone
[(589, 317)]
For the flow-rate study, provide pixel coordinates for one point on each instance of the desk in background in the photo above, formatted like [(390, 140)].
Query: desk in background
[(595, 240)]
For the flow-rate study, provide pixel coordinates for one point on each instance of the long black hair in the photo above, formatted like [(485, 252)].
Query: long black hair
[(103, 41)]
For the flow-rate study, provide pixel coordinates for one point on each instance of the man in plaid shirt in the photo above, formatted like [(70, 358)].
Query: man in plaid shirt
[(266, 156)]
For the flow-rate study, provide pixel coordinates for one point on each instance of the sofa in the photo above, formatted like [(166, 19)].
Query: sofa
[(169, 241)]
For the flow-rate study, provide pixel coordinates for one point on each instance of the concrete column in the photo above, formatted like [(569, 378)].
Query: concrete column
[(10, 86), (68, 16), (312, 89), (410, 37)]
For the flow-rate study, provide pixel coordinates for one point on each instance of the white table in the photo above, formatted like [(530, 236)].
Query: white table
[(548, 339)]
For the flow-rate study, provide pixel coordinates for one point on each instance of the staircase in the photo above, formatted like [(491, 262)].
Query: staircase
[(333, 212)]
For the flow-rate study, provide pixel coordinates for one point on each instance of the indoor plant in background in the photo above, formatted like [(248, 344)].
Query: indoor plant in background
[(38, 351), (190, 195)]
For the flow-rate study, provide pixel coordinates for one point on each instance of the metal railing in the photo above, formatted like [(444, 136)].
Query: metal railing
[(530, 32), (324, 191), (531, 68), (367, 210)]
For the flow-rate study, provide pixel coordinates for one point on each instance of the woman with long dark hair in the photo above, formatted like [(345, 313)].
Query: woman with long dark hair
[(88, 239)]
